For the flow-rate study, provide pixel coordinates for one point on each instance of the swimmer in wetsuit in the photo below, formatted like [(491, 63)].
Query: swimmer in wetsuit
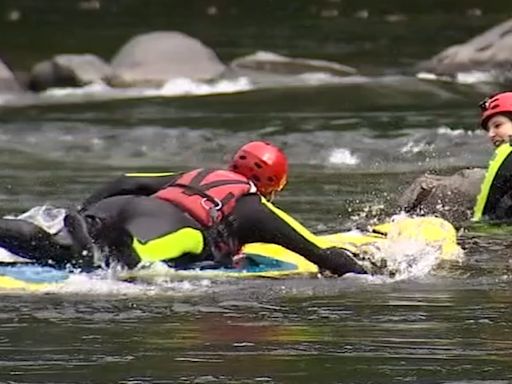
[(204, 215)]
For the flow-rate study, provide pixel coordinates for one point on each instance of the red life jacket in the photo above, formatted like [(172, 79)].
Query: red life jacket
[(205, 194)]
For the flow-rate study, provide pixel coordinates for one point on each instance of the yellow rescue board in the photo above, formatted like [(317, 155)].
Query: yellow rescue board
[(279, 262), (432, 231), (273, 261), (11, 283)]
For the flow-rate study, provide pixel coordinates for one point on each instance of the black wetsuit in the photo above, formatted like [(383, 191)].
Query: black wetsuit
[(252, 220), (494, 203), (115, 216), (71, 246), (499, 202)]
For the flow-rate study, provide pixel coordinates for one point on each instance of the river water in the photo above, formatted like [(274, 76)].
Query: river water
[(354, 144)]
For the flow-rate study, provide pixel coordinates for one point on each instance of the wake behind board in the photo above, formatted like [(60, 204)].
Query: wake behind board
[(266, 263), (261, 260)]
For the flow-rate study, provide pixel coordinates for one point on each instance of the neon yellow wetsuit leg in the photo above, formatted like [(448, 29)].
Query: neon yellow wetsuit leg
[(170, 246)]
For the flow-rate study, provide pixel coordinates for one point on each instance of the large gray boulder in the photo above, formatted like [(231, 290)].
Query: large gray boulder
[(8, 82), (490, 50), (68, 71), (154, 58), (450, 197)]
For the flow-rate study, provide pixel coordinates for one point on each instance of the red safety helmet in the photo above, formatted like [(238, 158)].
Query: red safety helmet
[(493, 105), (264, 164)]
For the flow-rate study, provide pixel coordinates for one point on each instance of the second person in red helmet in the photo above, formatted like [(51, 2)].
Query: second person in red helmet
[(204, 215)]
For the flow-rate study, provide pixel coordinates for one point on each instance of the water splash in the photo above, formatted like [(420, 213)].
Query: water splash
[(343, 156), (413, 148), (414, 251), (444, 130)]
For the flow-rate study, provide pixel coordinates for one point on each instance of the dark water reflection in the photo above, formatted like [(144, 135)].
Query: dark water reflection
[(435, 331)]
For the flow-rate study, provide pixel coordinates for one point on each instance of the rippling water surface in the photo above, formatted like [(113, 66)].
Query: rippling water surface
[(438, 330), (354, 143)]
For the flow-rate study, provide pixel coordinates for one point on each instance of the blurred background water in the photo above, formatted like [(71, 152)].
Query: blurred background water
[(354, 144)]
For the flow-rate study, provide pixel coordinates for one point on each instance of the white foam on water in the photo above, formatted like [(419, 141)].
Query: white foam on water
[(94, 88), (469, 77), (102, 283), (473, 77), (173, 88), (184, 86), (413, 148), (343, 156), (444, 130), (432, 76)]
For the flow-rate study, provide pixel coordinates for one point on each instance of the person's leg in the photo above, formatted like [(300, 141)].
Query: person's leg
[(101, 228), (139, 228), (163, 232), (81, 242), (27, 240)]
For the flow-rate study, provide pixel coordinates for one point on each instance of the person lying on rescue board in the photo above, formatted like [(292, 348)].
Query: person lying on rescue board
[(203, 215)]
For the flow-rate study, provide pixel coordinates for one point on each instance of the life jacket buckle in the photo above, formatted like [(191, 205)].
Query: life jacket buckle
[(217, 203), (215, 210)]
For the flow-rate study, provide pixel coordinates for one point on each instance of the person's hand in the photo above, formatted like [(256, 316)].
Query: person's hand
[(239, 261)]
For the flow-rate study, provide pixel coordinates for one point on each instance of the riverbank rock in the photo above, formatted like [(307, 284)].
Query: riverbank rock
[(274, 63), (154, 58), (491, 50), (68, 71), (450, 197), (8, 82)]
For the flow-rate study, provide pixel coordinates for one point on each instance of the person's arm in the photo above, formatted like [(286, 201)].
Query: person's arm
[(131, 184), (257, 220)]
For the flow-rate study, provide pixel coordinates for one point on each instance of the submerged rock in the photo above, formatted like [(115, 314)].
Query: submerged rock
[(450, 197), (154, 58), (491, 50), (274, 63), (8, 82), (68, 71)]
